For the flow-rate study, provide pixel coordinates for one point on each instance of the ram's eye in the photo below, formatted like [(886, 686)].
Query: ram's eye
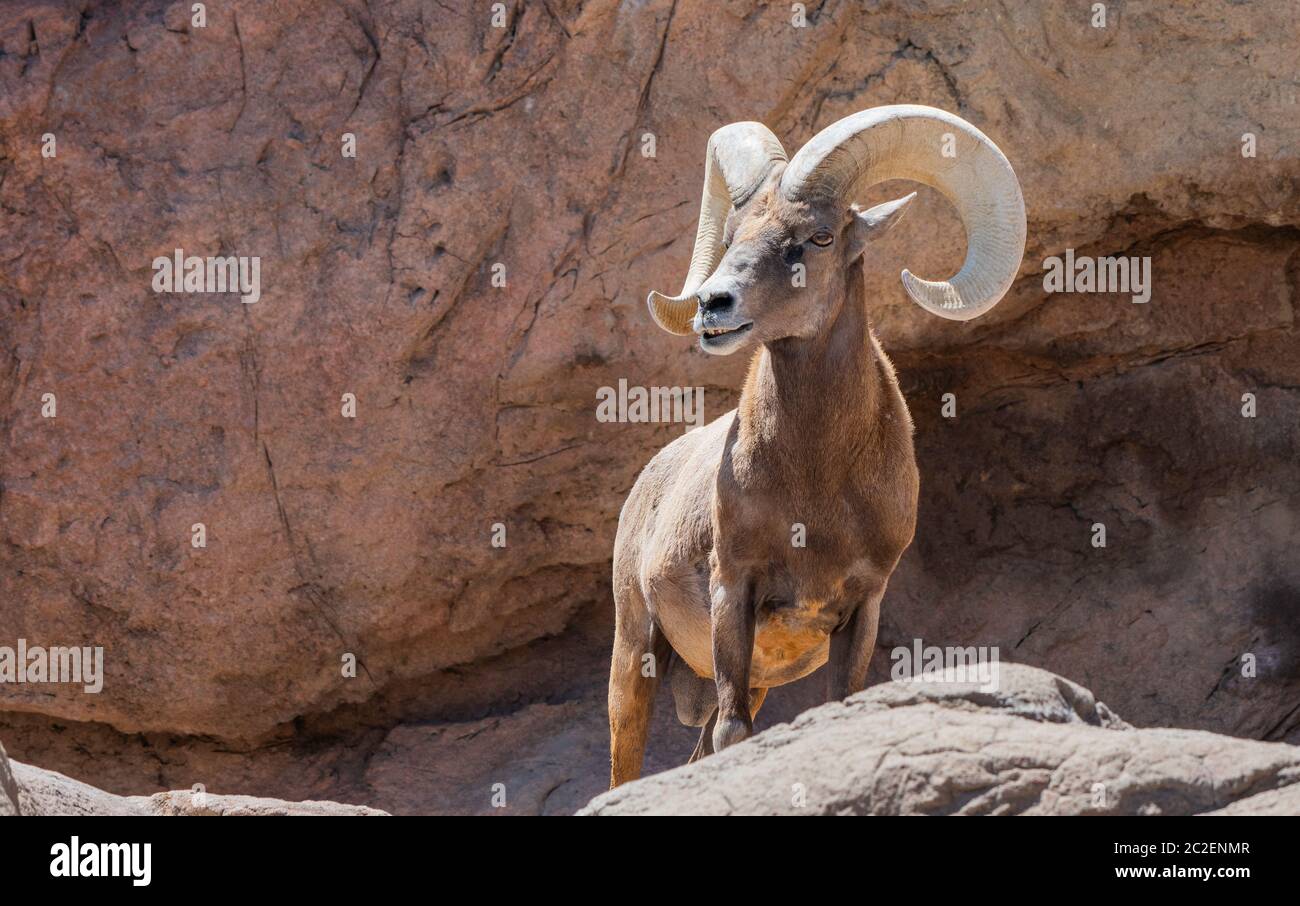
[(822, 238)]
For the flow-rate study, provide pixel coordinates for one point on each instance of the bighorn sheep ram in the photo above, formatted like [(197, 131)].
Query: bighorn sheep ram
[(706, 568)]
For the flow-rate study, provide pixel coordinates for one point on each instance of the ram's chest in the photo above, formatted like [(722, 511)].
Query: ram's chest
[(801, 596), (807, 559)]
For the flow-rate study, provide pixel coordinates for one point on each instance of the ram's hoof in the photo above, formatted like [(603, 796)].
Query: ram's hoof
[(729, 731)]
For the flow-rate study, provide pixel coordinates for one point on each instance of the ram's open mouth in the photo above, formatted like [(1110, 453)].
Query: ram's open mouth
[(713, 333)]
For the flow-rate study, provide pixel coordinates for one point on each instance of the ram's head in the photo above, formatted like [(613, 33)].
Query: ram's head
[(761, 216)]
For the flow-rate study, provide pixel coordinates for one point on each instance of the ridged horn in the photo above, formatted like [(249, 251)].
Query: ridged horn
[(738, 160), (941, 150)]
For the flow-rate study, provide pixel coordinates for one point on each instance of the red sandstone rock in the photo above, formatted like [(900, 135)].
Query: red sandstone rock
[(475, 404)]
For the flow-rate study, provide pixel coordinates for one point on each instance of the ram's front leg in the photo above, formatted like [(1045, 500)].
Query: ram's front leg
[(733, 648), (851, 648)]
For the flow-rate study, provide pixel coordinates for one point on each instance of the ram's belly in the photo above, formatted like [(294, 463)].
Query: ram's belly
[(788, 645)]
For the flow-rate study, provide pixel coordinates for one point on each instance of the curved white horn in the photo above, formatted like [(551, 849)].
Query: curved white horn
[(739, 158), (934, 147)]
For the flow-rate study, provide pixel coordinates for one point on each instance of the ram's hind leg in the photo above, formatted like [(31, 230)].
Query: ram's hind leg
[(632, 692), (705, 745)]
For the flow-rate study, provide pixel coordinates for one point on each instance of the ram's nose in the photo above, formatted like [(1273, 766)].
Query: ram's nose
[(716, 303)]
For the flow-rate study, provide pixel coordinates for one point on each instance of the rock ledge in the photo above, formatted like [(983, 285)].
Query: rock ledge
[(26, 790), (1038, 745)]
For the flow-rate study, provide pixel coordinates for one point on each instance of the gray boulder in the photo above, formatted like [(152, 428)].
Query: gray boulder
[(26, 790), (1038, 745)]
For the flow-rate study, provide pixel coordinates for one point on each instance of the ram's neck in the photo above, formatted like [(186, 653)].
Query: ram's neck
[(810, 405)]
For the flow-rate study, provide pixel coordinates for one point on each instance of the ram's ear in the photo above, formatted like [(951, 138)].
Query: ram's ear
[(871, 224)]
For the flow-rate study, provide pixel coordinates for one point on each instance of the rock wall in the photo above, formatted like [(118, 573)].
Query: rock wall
[(486, 154)]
